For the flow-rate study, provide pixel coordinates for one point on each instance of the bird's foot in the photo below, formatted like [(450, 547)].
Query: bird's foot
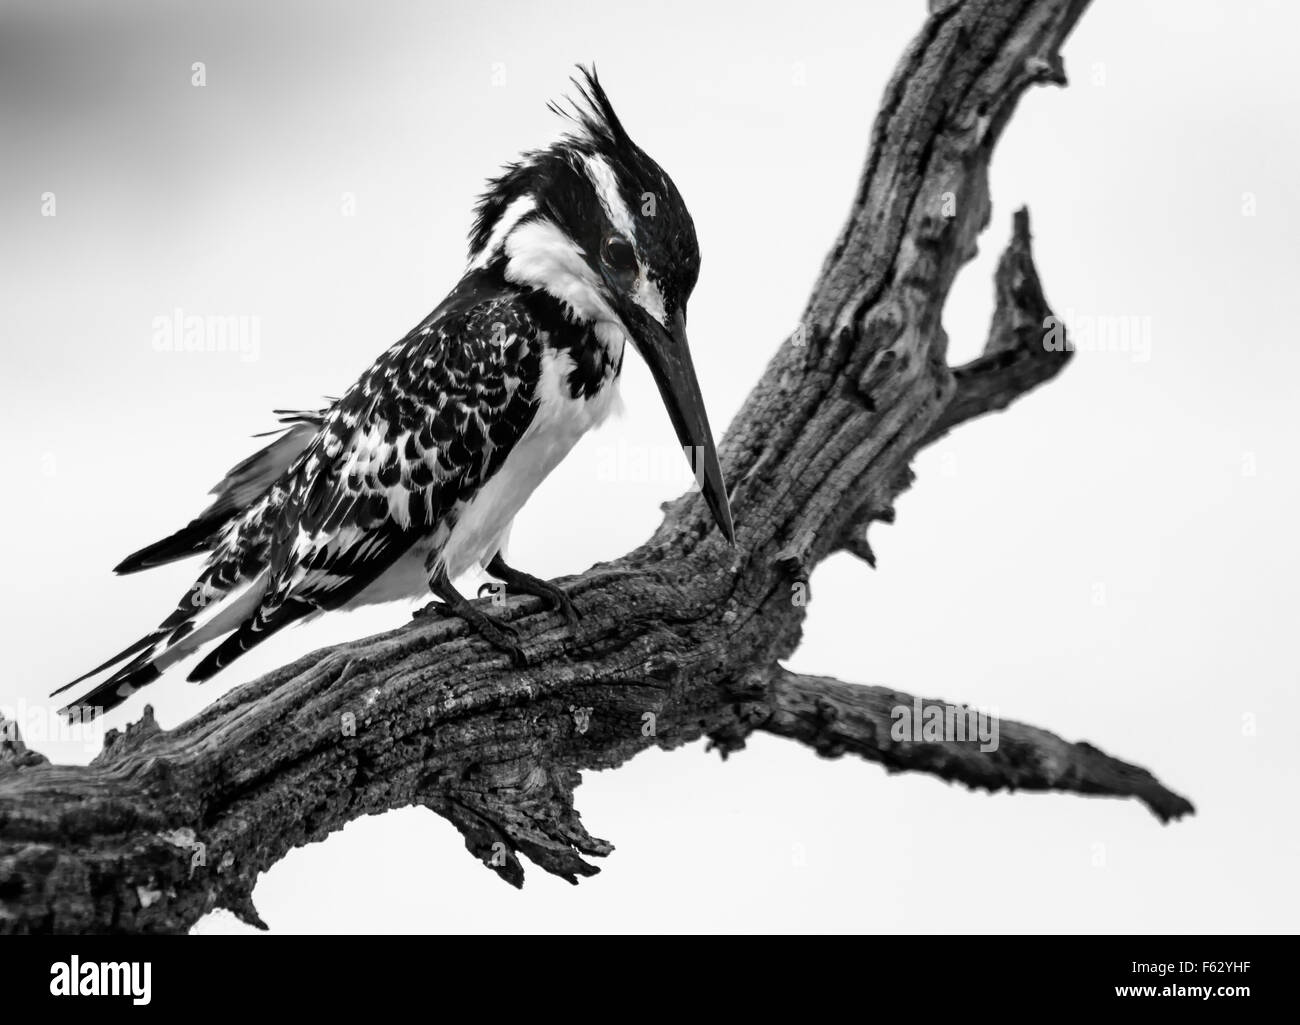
[(525, 583), (501, 635)]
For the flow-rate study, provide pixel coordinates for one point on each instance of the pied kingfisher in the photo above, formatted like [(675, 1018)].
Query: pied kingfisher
[(414, 476)]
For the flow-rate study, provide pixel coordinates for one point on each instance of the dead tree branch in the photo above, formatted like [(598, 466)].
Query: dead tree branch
[(680, 639)]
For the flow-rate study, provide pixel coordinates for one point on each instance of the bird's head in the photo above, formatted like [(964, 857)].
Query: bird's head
[(594, 222)]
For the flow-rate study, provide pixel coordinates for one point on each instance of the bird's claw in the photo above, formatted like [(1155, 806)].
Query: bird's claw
[(554, 599), (433, 608), (500, 634), (503, 636), (563, 604)]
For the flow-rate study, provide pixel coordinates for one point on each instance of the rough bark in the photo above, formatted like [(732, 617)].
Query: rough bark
[(680, 639)]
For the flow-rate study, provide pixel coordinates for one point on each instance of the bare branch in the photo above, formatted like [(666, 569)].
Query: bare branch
[(838, 718), (14, 754), (1026, 344)]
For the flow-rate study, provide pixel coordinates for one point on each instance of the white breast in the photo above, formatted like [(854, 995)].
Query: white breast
[(559, 422)]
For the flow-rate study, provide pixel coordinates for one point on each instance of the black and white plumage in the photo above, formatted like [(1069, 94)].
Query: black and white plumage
[(413, 476)]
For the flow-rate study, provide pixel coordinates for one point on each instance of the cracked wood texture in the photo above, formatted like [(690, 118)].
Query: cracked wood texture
[(679, 640)]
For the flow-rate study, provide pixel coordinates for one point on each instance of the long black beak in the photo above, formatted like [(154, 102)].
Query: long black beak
[(669, 358)]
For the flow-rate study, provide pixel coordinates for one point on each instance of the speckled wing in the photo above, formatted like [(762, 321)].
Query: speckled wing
[(429, 422)]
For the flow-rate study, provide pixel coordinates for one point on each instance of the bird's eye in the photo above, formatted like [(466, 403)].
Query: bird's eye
[(618, 254)]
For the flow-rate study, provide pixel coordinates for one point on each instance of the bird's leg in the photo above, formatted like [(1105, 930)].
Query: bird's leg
[(500, 635), (526, 583)]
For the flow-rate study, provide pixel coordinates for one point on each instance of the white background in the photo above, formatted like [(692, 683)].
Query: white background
[(1113, 559)]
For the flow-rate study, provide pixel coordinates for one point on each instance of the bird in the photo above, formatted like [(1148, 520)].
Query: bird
[(413, 476)]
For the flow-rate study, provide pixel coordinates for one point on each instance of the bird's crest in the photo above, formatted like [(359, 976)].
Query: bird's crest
[(596, 128), (592, 113)]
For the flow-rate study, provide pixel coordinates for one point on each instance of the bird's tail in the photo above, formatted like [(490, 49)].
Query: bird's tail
[(242, 485), (194, 623), (217, 604), (113, 691)]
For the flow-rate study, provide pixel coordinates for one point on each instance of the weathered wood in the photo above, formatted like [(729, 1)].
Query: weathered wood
[(680, 639)]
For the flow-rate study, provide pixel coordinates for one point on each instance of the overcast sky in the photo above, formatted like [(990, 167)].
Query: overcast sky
[(1114, 559)]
